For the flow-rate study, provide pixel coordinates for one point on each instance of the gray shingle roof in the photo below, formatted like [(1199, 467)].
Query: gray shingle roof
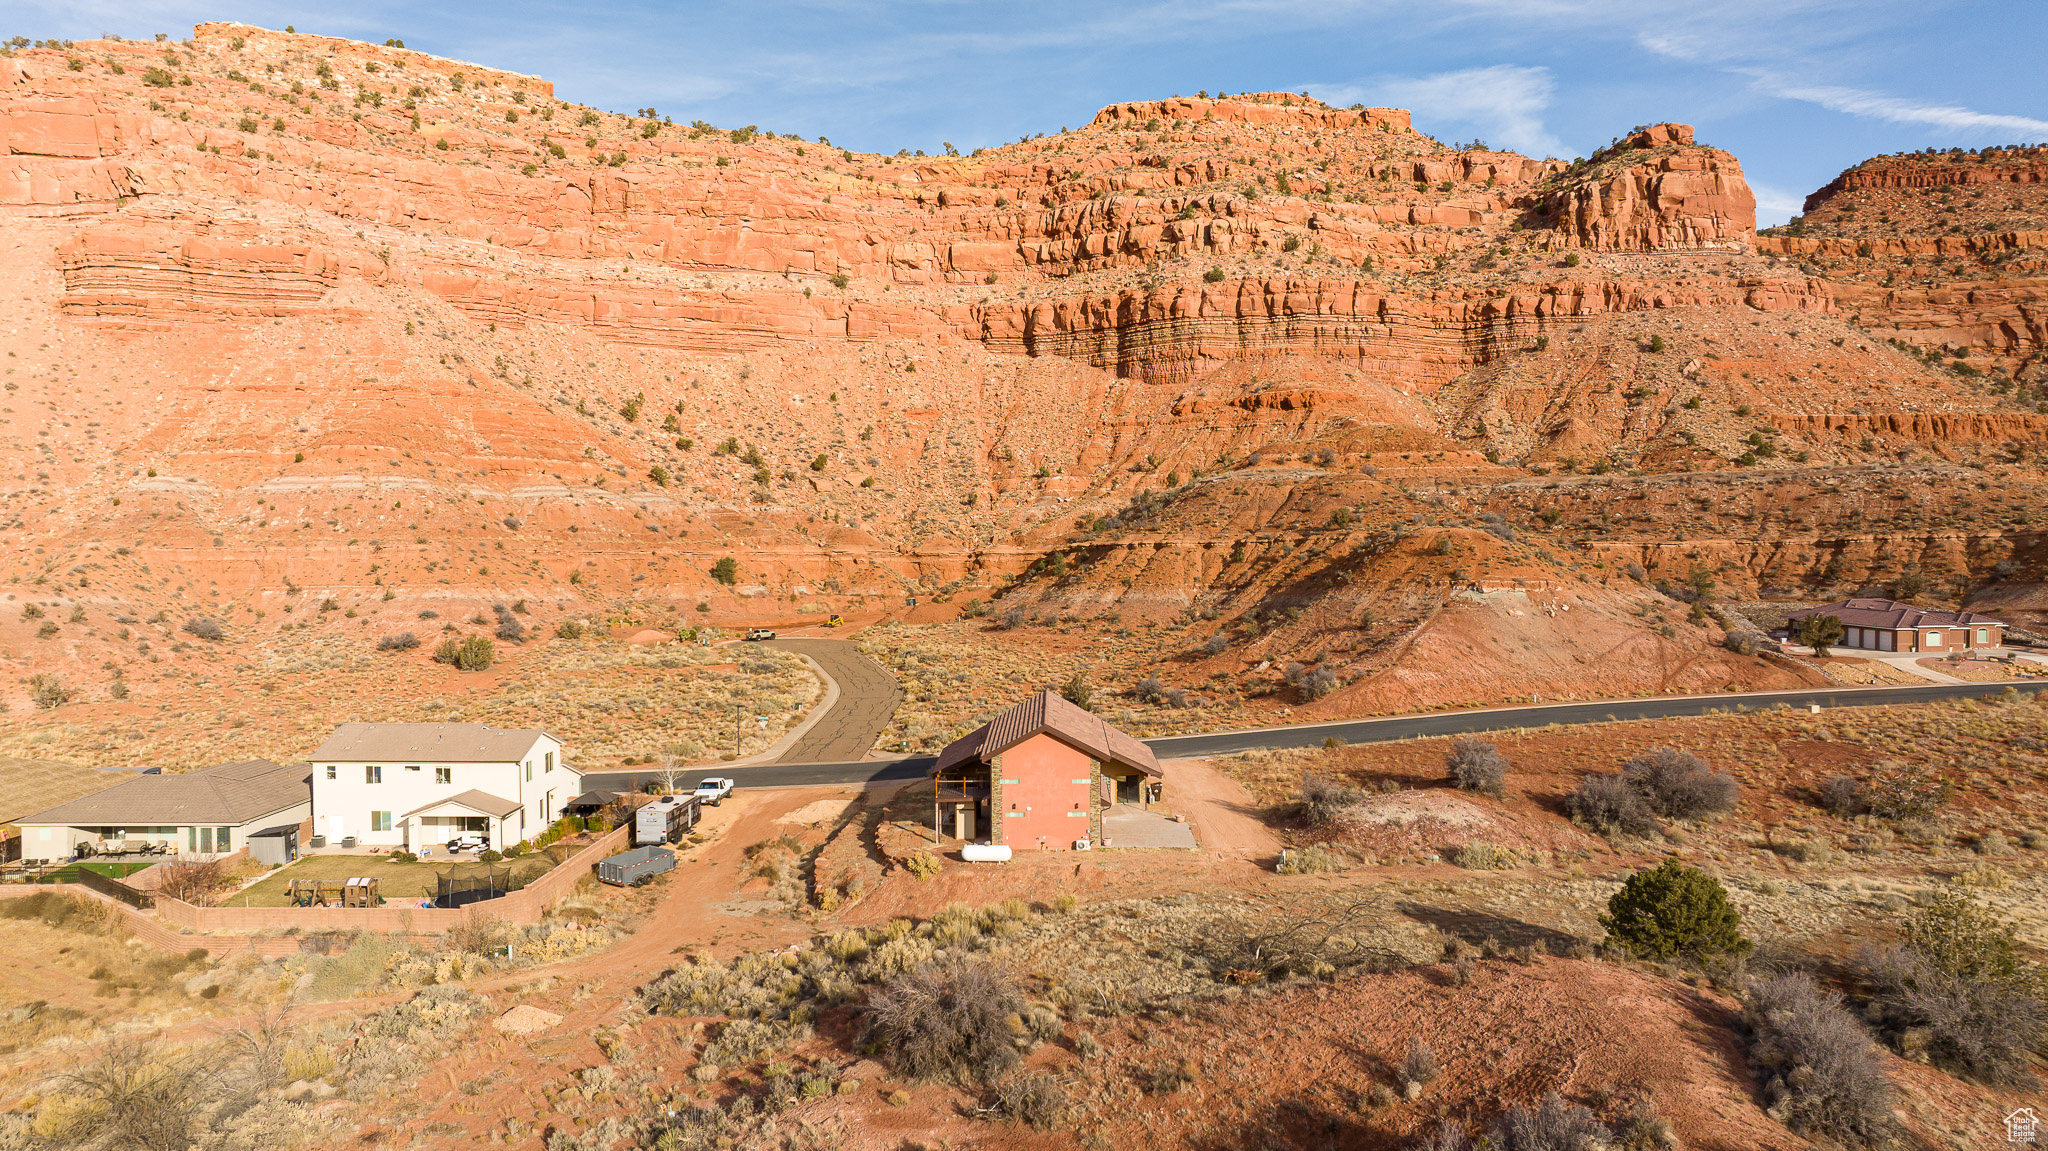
[(426, 743), (1888, 613), (1052, 714), (474, 800), (224, 794)]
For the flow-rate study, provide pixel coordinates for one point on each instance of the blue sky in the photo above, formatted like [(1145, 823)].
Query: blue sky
[(1799, 89)]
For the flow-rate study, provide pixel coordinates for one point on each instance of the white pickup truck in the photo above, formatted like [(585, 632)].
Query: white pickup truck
[(713, 789)]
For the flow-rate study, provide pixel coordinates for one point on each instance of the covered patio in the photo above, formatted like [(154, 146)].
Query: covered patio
[(470, 813)]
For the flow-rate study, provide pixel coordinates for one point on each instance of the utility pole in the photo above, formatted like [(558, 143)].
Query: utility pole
[(737, 712)]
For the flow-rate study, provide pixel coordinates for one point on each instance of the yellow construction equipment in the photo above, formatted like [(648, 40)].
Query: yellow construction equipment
[(835, 621)]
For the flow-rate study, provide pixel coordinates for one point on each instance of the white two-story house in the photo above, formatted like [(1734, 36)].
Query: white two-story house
[(415, 785)]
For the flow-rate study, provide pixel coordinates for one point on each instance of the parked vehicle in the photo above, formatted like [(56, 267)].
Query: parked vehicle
[(834, 621), (757, 633), (635, 867), (665, 820), (466, 843), (713, 789)]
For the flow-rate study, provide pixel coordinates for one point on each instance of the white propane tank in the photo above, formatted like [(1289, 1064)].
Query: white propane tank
[(985, 852)]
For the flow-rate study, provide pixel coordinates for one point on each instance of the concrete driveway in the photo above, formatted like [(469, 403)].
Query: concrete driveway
[(1136, 827)]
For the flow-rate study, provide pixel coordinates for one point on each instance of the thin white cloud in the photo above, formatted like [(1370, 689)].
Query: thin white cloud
[(1775, 205), (1503, 104), (1953, 117)]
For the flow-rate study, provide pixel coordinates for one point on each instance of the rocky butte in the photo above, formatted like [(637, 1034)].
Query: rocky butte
[(295, 323)]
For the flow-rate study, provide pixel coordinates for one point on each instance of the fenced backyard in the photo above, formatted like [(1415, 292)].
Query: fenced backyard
[(399, 883)]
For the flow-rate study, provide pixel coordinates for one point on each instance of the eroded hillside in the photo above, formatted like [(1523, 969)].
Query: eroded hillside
[(293, 321)]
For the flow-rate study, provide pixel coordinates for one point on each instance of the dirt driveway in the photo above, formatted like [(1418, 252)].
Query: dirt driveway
[(1224, 814)]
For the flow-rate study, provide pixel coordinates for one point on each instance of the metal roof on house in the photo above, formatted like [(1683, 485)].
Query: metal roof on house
[(1892, 615), (478, 801), (1049, 713), (224, 794), (427, 743)]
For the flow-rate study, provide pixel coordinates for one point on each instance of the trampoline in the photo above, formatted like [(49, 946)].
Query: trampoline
[(467, 883)]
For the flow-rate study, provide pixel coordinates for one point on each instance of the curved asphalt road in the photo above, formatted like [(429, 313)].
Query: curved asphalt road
[(793, 774), (868, 697)]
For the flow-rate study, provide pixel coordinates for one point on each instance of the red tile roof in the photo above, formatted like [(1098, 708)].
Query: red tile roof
[(1890, 614), (1049, 713)]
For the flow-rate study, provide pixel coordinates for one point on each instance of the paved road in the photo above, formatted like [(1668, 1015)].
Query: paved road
[(868, 697), (1357, 731)]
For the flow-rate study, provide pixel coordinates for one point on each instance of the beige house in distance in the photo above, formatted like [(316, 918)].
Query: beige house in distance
[(209, 812)]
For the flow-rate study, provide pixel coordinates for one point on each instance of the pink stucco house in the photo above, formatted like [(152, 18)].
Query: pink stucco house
[(1038, 778)]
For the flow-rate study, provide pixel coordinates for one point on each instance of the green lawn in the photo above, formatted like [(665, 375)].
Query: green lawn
[(69, 872), (396, 882)]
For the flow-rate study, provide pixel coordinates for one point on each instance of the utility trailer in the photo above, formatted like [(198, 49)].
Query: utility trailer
[(635, 867), (665, 820)]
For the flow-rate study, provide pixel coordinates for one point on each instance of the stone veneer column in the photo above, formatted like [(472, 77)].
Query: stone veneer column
[(996, 830), (1095, 803)]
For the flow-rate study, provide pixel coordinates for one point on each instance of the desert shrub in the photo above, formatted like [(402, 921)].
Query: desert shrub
[(1216, 645), (947, 1021), (60, 909), (923, 865), (1842, 797), (206, 628), (48, 692), (1418, 1064), (1317, 684), (403, 641), (1324, 798), (1677, 785), (1308, 861), (509, 628), (1150, 690), (1822, 1075), (1477, 765), (1671, 910), (1901, 792), (1551, 1125), (1959, 993), (476, 935), (1036, 1100), (726, 571), (1479, 856), (1077, 690), (569, 629), (1608, 805), (470, 653), (135, 1094), (1743, 642)]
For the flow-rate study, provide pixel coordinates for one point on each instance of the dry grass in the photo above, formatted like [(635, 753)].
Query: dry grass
[(278, 696)]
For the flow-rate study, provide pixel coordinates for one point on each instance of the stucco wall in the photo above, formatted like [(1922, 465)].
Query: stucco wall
[(1045, 792)]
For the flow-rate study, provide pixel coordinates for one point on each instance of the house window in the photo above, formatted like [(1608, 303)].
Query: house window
[(373, 774), (330, 771), (548, 763), (221, 838), (192, 840), (444, 775), (412, 767), (1933, 639), (1983, 635), (529, 771), (380, 821), (206, 841)]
